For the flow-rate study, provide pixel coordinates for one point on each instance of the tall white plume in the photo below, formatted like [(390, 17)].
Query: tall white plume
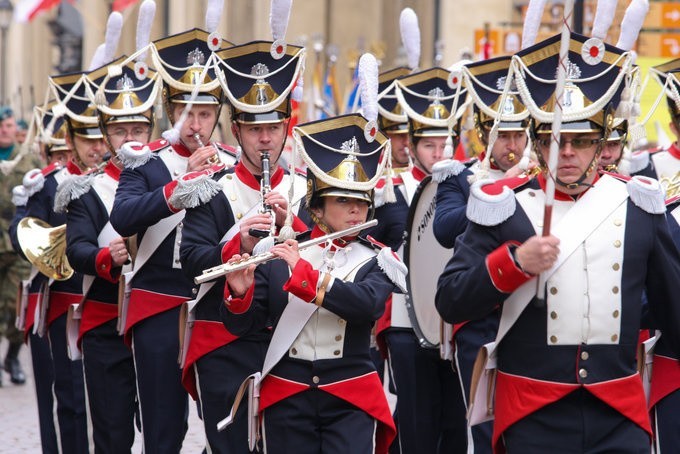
[(368, 86), (532, 22), (632, 23), (410, 36), (98, 59), (213, 14), (279, 15), (113, 28), (604, 15), (147, 11), (662, 139)]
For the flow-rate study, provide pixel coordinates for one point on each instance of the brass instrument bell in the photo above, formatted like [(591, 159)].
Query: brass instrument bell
[(45, 247)]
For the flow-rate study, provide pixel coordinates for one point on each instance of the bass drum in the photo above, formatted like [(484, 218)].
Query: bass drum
[(426, 259)]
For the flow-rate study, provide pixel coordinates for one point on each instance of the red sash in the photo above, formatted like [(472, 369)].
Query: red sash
[(364, 392)]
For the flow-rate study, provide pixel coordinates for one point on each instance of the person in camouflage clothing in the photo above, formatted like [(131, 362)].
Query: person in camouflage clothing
[(12, 268)]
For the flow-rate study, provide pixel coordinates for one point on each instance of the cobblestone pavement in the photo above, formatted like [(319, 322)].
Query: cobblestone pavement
[(19, 431)]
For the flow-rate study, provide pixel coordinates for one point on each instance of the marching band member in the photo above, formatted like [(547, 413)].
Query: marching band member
[(666, 162), (485, 82), (430, 409), (99, 252), (617, 157), (665, 383), (612, 151), (618, 154), (217, 361), (85, 140), (664, 396), (392, 120), (487, 79), (143, 206), (567, 374), (58, 154), (322, 394)]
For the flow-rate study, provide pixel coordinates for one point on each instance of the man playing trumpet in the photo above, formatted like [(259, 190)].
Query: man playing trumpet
[(500, 160), (144, 206)]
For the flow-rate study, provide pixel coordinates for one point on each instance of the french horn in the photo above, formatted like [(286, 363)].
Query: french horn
[(45, 247)]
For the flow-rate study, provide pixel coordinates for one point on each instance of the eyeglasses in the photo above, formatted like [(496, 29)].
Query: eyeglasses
[(121, 133), (576, 143)]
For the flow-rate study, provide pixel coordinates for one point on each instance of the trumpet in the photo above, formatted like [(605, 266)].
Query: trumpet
[(265, 188), (212, 160), (671, 184), (227, 268)]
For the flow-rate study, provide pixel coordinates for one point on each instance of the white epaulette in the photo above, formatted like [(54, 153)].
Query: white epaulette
[(647, 194), (390, 263), (490, 207), (135, 154), (195, 188), (386, 193), (72, 188), (446, 168), (379, 197), (19, 195), (393, 267), (637, 162), (33, 181)]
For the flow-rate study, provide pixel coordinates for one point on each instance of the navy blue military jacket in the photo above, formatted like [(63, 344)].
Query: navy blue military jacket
[(449, 216), (391, 222), (357, 303), (203, 247), (141, 201), (87, 216), (471, 287)]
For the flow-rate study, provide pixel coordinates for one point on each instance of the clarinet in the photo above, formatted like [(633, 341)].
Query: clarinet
[(265, 188)]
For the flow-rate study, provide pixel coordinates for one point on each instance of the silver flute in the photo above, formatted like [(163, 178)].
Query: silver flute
[(227, 268)]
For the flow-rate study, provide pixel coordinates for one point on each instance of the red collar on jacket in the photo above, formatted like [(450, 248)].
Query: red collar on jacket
[(73, 168), (561, 195), (251, 181), (674, 150), (418, 174)]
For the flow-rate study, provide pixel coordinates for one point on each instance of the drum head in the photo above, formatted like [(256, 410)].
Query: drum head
[(426, 259)]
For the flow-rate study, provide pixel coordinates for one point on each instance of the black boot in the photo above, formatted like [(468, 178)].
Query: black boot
[(13, 366)]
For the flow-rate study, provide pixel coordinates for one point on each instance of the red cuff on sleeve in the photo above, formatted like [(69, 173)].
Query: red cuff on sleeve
[(104, 266), (303, 281), (238, 305), (167, 192), (504, 274), (231, 248)]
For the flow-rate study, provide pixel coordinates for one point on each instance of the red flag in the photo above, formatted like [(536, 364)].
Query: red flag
[(27, 10), (120, 5)]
